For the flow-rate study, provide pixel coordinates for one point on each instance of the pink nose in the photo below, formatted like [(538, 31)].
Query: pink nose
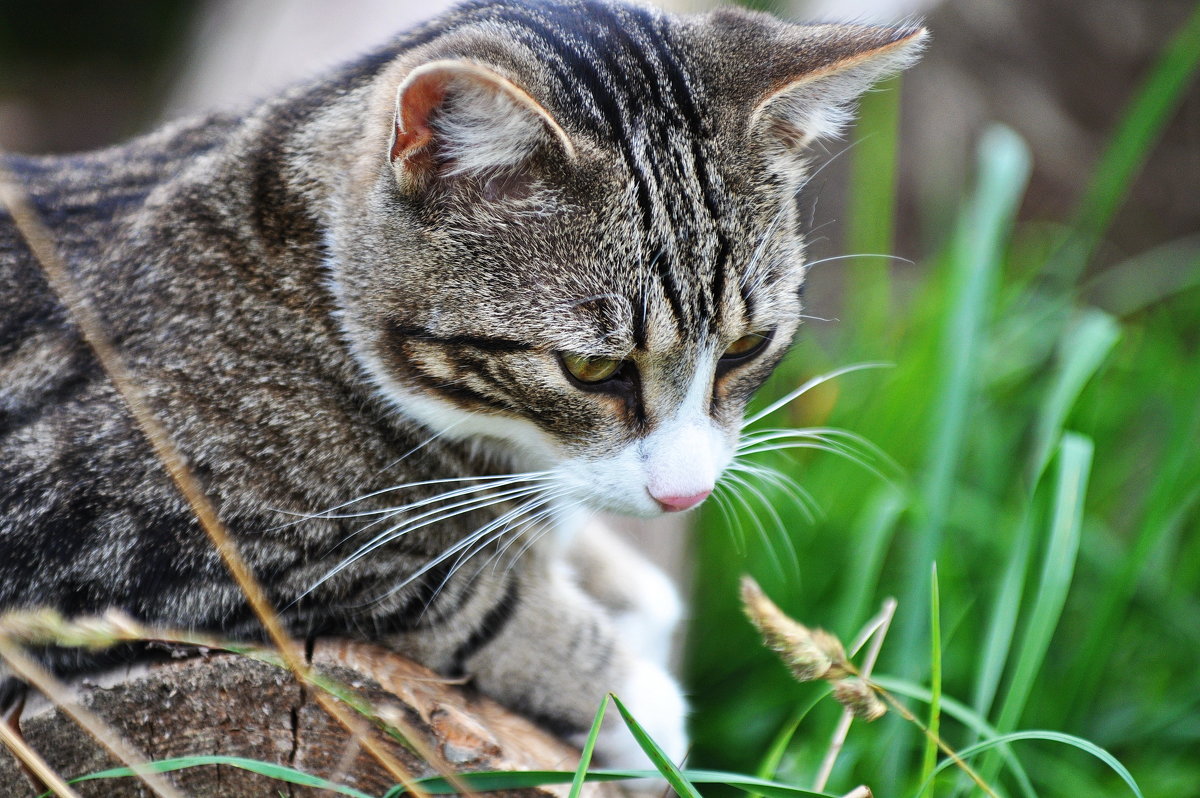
[(674, 504)]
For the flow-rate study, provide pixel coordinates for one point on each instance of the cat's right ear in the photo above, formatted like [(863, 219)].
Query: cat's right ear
[(460, 118)]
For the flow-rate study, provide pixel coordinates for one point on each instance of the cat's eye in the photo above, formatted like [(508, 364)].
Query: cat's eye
[(590, 370), (746, 347)]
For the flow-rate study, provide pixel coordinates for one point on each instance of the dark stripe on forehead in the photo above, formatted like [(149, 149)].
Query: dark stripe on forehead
[(670, 289), (699, 130), (580, 63)]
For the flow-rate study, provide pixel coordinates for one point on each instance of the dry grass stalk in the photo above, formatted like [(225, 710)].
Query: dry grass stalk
[(41, 243), (861, 791), (875, 630), (57, 692), (33, 761), (814, 651)]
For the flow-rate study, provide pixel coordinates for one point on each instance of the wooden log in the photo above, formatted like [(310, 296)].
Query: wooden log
[(232, 705)]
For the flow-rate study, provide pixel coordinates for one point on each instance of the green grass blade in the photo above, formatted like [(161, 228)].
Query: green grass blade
[(1049, 736), (1139, 129), (668, 769), (493, 780), (589, 745), (1084, 347), (873, 531), (770, 761), (1003, 623), (983, 230), (964, 715), (871, 209), (1058, 567), (935, 680), (268, 769), (1174, 472), (490, 780), (1148, 278)]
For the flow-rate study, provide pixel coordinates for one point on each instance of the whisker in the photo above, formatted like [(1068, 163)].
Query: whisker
[(389, 513), (732, 522), (464, 543), (848, 455), (427, 441), (328, 513), (516, 530), (779, 525), (531, 540), (762, 532), (849, 442), (498, 482), (809, 385), (803, 500), (420, 521), (812, 263)]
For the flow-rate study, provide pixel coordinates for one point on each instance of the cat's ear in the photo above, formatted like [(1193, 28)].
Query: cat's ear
[(457, 117), (814, 95)]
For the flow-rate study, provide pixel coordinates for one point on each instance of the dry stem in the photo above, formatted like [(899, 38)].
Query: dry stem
[(32, 760), (42, 245), (876, 629)]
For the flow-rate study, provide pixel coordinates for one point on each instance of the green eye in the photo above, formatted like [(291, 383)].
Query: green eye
[(746, 346), (590, 370)]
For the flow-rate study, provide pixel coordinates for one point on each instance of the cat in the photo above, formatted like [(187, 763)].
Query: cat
[(412, 323)]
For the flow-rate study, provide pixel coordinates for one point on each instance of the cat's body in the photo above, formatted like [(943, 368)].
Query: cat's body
[(408, 274)]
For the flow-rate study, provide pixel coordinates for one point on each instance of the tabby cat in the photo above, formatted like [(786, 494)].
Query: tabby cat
[(412, 323)]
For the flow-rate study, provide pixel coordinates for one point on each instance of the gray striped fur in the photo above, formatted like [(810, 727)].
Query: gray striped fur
[(319, 309)]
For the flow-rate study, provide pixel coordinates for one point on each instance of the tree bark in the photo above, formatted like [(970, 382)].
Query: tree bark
[(232, 705)]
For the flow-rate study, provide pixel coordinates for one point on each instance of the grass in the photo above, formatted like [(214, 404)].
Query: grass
[(1044, 410)]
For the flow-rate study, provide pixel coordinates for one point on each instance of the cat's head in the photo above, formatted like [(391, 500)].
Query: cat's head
[(572, 231)]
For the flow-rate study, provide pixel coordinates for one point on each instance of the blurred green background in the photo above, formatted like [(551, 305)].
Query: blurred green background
[(1037, 432)]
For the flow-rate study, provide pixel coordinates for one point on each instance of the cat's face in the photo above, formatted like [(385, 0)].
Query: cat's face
[(594, 297)]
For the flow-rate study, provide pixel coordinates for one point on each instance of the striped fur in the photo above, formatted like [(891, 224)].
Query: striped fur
[(371, 281)]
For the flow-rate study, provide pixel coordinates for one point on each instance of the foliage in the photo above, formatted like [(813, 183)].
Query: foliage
[(1044, 413)]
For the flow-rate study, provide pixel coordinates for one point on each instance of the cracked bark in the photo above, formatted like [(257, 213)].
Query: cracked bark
[(234, 706)]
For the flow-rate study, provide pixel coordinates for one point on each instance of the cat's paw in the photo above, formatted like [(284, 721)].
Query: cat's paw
[(640, 599), (654, 699)]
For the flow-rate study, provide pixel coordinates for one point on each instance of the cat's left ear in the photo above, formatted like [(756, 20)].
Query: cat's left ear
[(833, 65), (458, 117)]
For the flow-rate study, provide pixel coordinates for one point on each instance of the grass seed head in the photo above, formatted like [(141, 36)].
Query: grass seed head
[(810, 654), (859, 697)]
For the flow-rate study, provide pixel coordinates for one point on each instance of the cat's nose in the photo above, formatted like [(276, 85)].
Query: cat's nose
[(675, 504)]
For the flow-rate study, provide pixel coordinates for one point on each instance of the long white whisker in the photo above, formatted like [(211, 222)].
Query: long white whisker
[(423, 483), (779, 525), (529, 541), (428, 441), (762, 532), (517, 530), (803, 500), (497, 482), (812, 263), (856, 447), (466, 543), (423, 520), (809, 385), (849, 455), (732, 522)]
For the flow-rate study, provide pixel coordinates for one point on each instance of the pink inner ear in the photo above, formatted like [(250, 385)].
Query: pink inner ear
[(416, 106)]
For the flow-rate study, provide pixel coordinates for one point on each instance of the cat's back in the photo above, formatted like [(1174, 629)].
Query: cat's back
[(88, 202)]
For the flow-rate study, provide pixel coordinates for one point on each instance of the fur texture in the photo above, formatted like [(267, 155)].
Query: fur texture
[(351, 307)]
